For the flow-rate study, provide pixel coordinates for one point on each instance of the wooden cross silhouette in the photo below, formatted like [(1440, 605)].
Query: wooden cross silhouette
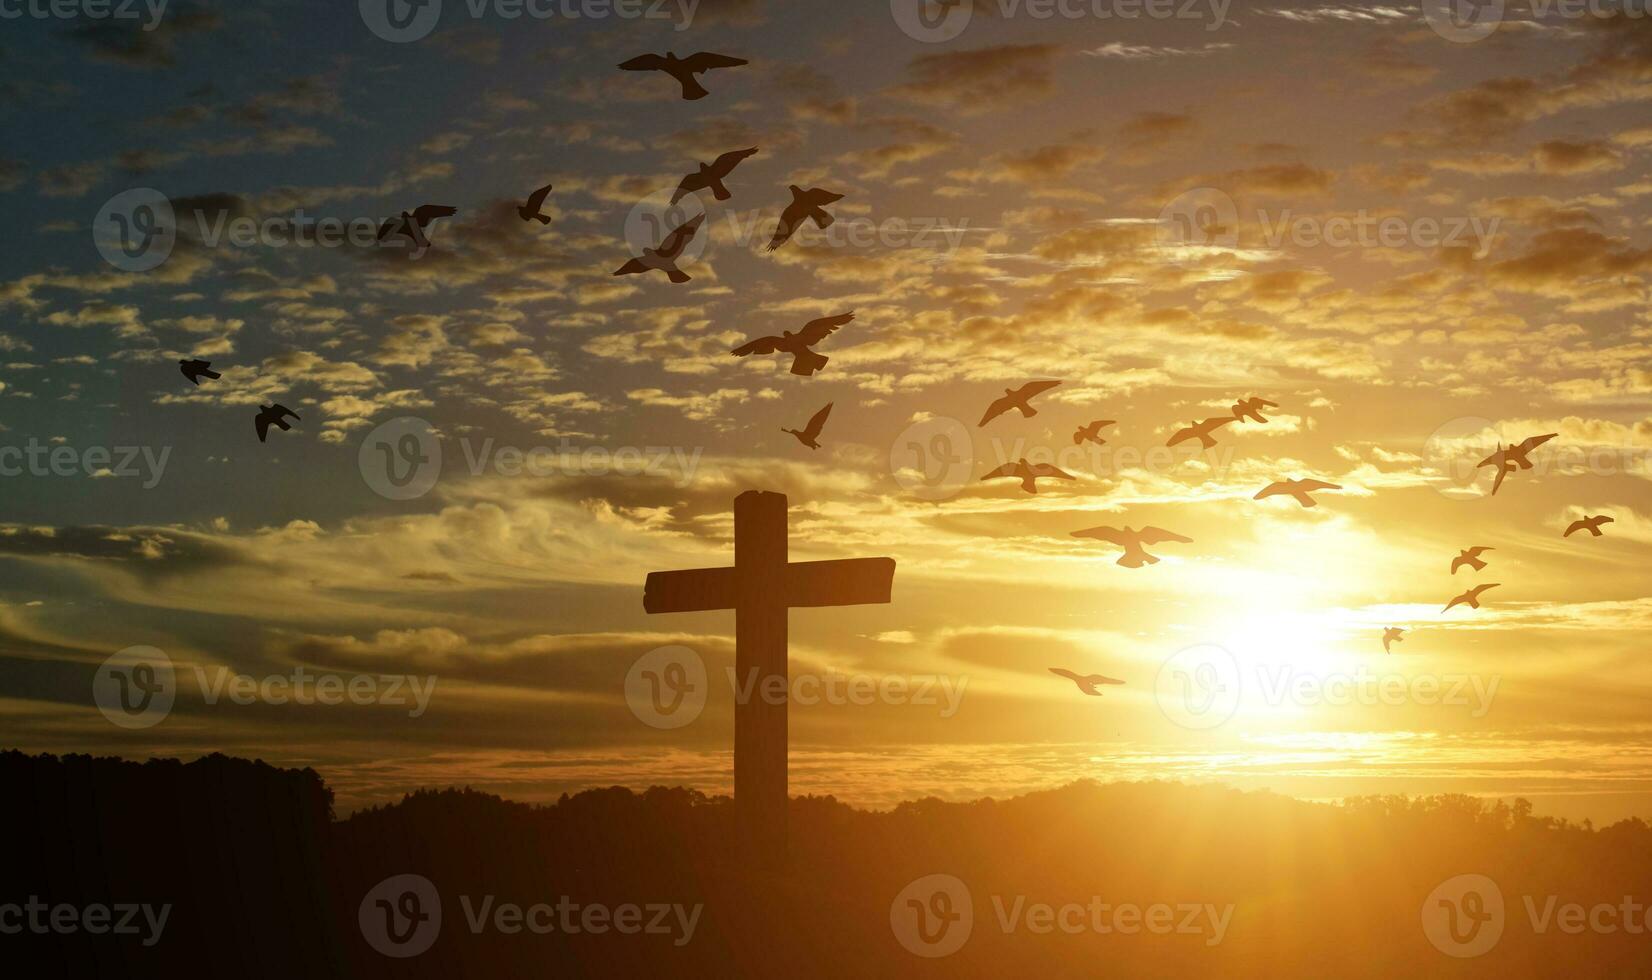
[(761, 588)]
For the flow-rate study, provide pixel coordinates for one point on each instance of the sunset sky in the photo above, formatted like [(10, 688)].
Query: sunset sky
[(1014, 209)]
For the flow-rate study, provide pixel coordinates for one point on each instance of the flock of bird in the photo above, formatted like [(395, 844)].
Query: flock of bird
[(808, 205)]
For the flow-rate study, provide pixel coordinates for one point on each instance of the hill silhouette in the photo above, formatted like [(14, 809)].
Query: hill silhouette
[(263, 880)]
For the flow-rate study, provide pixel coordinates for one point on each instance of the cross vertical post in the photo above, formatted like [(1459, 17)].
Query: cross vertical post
[(760, 641)]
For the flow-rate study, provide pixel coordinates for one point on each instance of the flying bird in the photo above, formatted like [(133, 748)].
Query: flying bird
[(804, 360), (1087, 684), (810, 435), (1251, 408), (1020, 398), (1471, 558), (411, 224), (1472, 596), (1028, 473), (1296, 488), (1508, 458), (665, 257), (197, 369), (269, 415), (1590, 524), (1091, 433), (1391, 635), (684, 69), (1135, 556), (710, 176), (1201, 431), (806, 205), (531, 210)]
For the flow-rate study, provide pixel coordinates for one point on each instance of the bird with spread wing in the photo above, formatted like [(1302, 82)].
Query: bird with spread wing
[(1132, 541), (1590, 524), (810, 434), (1251, 408), (807, 205), (1201, 431), (1390, 636), (1091, 432), (532, 210), (804, 361), (711, 175), (684, 69), (665, 257), (1471, 597), (411, 224), (195, 369), (1088, 683), (275, 415), (1471, 558), (1295, 488), (1509, 458), (1028, 473), (1017, 398)]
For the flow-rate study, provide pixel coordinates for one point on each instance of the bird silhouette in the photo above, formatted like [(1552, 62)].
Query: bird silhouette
[(1471, 558), (197, 369), (1509, 458), (810, 435), (1020, 398), (531, 210), (806, 205), (1135, 556), (1201, 431), (1091, 433), (1251, 408), (665, 257), (411, 224), (1295, 488), (269, 415), (804, 361), (1391, 635), (710, 176), (1086, 683), (1472, 596), (684, 69), (1028, 473), (1590, 524)]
